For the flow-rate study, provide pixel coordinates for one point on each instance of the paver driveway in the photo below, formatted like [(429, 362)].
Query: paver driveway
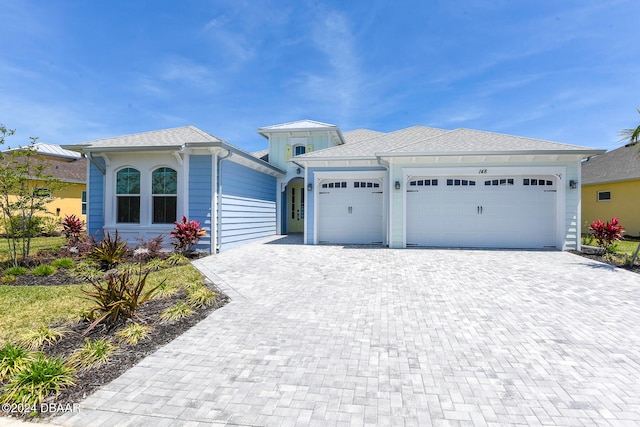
[(324, 335)]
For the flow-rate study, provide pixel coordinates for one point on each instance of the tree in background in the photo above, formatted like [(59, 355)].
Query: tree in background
[(25, 188), (632, 136)]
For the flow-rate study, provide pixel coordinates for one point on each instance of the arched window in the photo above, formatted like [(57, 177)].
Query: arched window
[(164, 188), (128, 195)]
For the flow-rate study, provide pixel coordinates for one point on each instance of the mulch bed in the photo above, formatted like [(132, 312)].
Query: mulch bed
[(126, 356), (616, 260)]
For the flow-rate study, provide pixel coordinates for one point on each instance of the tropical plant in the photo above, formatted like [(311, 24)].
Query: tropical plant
[(178, 311), (44, 270), (92, 353), (63, 263), (177, 259), (166, 290), (606, 233), (72, 228), (13, 359), (36, 339), (186, 234), (133, 333), (8, 278), (109, 251), (87, 270), (50, 226), (38, 379), (200, 297), (153, 247), (117, 296)]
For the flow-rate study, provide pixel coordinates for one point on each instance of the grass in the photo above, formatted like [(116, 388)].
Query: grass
[(178, 311), (626, 247), (24, 308), (133, 333), (92, 353), (37, 243)]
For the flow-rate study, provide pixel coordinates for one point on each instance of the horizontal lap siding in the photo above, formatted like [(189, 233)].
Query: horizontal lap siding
[(95, 200), (248, 205), (200, 195)]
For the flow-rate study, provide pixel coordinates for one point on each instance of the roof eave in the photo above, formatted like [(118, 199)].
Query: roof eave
[(491, 153)]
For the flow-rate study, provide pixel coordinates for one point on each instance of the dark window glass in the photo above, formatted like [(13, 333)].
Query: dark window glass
[(604, 195), (510, 181), (534, 182), (128, 181), (525, 181), (549, 182), (300, 149), (434, 182), (472, 183), (344, 185), (164, 209), (164, 181), (487, 183), (129, 209), (449, 182)]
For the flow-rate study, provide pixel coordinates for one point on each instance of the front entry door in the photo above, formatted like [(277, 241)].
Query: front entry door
[(296, 207)]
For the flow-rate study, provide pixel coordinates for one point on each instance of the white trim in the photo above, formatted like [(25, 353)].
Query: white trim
[(558, 171), (319, 176), (306, 203), (214, 202), (604, 200), (279, 207), (185, 186)]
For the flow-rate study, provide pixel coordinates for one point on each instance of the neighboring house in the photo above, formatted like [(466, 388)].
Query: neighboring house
[(611, 188), (416, 187), (71, 169)]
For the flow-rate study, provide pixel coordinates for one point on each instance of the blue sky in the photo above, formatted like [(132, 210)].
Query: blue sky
[(73, 71)]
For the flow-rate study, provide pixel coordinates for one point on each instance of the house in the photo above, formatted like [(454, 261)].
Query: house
[(611, 188), (68, 167), (414, 187)]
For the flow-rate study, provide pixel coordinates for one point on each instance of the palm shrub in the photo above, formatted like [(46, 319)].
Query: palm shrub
[(38, 379), (606, 233), (108, 252), (117, 296), (186, 234)]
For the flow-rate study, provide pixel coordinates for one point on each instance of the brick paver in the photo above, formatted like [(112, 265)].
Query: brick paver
[(331, 335)]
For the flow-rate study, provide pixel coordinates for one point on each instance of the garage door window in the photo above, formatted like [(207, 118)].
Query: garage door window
[(538, 182), (361, 184), (424, 183), (498, 182), (340, 184), (460, 182)]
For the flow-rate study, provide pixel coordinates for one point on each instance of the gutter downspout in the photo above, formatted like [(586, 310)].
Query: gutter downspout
[(385, 164), (218, 201)]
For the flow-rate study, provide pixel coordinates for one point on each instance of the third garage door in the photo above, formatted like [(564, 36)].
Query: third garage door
[(491, 212)]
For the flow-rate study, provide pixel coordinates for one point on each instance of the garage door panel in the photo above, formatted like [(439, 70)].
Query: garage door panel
[(500, 212), (351, 213)]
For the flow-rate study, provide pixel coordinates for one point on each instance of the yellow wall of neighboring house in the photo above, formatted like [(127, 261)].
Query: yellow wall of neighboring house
[(624, 204), (68, 200)]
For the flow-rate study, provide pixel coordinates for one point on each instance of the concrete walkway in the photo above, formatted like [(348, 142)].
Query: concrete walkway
[(330, 335)]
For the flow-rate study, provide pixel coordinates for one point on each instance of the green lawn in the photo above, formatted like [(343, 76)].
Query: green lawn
[(37, 243), (626, 246)]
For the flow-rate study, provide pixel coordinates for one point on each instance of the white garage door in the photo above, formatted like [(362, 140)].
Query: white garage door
[(350, 211), (489, 212)]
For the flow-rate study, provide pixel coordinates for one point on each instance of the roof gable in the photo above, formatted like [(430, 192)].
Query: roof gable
[(300, 124), (621, 164)]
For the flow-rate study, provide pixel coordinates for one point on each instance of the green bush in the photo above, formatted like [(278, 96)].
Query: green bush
[(44, 270), (200, 297), (13, 359), (8, 278), (176, 312), (92, 353), (35, 339), (36, 380), (25, 226), (133, 333), (63, 263), (16, 271)]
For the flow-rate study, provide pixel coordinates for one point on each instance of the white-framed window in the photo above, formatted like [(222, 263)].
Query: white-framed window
[(299, 149), (83, 201), (460, 182), (604, 196), (128, 196), (424, 183), (164, 190)]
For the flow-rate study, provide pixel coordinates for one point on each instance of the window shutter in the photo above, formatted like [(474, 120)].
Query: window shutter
[(287, 155), (309, 148)]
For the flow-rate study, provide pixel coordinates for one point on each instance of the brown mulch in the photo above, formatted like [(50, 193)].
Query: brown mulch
[(57, 279)]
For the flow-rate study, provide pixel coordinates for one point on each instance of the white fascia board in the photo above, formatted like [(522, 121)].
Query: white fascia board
[(579, 153)]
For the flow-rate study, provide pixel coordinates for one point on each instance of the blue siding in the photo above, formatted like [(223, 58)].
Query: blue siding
[(310, 219), (200, 196), (248, 205), (95, 205)]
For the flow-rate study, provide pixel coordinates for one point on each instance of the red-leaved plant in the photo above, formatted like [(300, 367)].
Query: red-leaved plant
[(606, 233), (187, 233), (72, 228)]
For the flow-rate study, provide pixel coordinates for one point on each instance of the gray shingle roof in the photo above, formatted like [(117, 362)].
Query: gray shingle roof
[(620, 164), (262, 154), (383, 142), (167, 137), (476, 141), (358, 135), (300, 124)]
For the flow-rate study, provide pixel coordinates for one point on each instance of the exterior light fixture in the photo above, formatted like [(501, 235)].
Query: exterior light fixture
[(309, 186), (397, 186), (298, 171), (573, 184)]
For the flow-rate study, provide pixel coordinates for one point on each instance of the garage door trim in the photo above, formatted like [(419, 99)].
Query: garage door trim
[(338, 175), (478, 172)]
